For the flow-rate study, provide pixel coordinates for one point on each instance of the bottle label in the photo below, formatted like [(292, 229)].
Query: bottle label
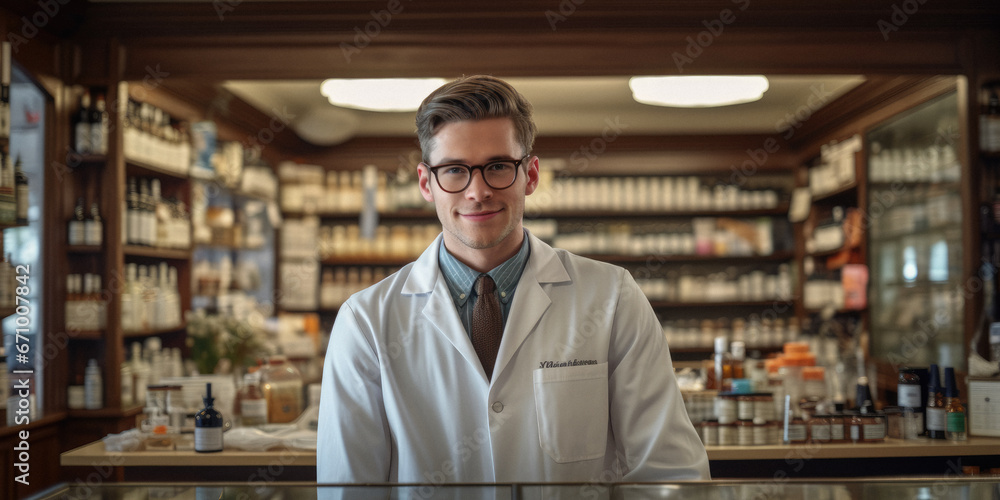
[(873, 431), (254, 408), (836, 432), (956, 421), (796, 432), (909, 395), (936, 419), (208, 439), (820, 432)]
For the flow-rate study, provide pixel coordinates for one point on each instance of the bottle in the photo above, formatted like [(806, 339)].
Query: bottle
[(863, 400), (251, 402), (152, 228), (93, 386), (127, 388), (739, 354), (21, 192), (908, 389), (936, 421), (93, 228), (132, 218), (208, 425), (99, 127), (140, 370), (81, 126), (77, 230), (954, 410), (281, 384), (723, 364)]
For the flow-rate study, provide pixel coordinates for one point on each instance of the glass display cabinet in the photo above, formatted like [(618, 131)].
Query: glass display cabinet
[(914, 224)]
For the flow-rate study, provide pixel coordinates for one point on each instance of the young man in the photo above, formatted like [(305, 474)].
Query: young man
[(421, 386)]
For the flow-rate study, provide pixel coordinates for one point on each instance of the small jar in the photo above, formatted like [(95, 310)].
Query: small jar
[(908, 389), (764, 407), (854, 426), (836, 428), (744, 432), (727, 434), (819, 429), (726, 409), (795, 431), (745, 406), (874, 427), (774, 432), (710, 432), (761, 433)]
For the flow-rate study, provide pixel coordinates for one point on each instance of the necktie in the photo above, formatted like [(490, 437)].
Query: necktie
[(487, 324)]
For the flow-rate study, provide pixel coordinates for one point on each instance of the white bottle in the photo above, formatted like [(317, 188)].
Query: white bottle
[(128, 385), (93, 386), (140, 370)]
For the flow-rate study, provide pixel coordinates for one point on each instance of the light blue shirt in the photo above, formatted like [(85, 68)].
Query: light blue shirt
[(461, 281)]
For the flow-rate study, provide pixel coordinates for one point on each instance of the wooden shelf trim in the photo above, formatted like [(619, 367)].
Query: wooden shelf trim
[(660, 258), (10, 226), (974, 446), (664, 304), (105, 413), (85, 249), (6, 430), (141, 168), (848, 189), (157, 253), (151, 333), (7, 311), (781, 209)]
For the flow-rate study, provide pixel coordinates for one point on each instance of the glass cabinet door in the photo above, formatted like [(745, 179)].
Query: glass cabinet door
[(915, 225)]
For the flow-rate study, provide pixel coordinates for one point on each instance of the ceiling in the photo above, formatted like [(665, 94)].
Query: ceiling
[(564, 106)]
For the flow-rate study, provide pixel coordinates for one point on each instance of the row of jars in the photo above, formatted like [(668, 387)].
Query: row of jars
[(847, 427)]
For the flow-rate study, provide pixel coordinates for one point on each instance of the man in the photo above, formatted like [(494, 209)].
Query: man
[(581, 387)]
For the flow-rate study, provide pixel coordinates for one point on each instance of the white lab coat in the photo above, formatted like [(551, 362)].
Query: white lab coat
[(583, 389)]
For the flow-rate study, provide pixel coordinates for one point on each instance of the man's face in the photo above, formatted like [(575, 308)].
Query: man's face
[(479, 222)]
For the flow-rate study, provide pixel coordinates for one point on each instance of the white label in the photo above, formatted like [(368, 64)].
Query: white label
[(208, 439), (836, 432), (796, 432), (254, 408), (873, 431), (821, 432), (935, 419), (909, 395)]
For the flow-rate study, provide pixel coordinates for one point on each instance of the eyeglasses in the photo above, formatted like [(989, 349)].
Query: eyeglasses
[(455, 177)]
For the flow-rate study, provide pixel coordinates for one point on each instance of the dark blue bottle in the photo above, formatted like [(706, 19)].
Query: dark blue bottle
[(208, 425)]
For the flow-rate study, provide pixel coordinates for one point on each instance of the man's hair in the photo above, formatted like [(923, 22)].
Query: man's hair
[(477, 97)]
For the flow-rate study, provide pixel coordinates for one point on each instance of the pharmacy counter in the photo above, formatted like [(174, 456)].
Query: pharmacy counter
[(894, 457), (849, 489)]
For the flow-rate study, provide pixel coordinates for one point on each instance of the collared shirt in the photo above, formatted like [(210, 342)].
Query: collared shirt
[(461, 281)]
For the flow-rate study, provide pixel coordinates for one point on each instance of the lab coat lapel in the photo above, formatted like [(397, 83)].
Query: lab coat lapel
[(440, 312), (530, 299)]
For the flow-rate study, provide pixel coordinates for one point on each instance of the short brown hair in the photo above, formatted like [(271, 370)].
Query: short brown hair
[(477, 97)]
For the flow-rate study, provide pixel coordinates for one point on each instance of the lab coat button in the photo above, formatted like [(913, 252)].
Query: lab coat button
[(497, 407)]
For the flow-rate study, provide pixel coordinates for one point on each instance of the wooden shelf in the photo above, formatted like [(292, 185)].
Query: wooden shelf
[(710, 349), (663, 304), (781, 209), (105, 413), (826, 253), (841, 192), (84, 249), (362, 260), (408, 214), (51, 418), (838, 311), (7, 311), (157, 253), (152, 333), (87, 335), (10, 226), (135, 167), (722, 259)]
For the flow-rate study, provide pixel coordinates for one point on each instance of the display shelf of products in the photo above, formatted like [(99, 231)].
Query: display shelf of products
[(157, 253), (670, 304), (841, 193)]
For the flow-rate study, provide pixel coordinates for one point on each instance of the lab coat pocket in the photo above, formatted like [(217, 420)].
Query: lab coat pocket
[(572, 407)]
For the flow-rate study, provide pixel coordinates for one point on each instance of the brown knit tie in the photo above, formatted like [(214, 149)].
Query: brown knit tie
[(487, 324)]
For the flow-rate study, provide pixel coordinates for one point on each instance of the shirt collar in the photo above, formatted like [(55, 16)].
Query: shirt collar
[(461, 278)]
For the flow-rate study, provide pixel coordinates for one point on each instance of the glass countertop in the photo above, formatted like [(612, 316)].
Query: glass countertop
[(956, 487)]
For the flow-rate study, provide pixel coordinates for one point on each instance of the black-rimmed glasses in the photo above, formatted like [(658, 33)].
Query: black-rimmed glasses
[(455, 177)]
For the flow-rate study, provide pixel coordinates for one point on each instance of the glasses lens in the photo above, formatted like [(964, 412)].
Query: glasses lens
[(500, 174), (453, 177)]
